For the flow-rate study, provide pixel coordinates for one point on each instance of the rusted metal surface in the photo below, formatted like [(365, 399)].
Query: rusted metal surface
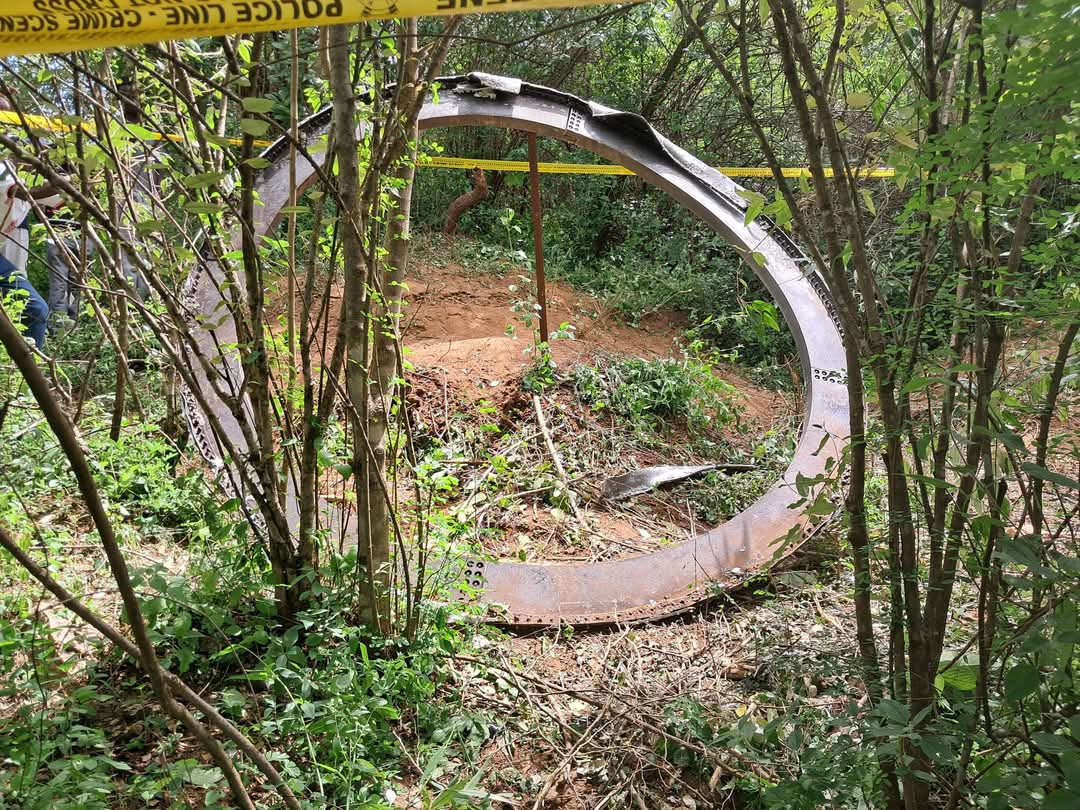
[(673, 579), (538, 237)]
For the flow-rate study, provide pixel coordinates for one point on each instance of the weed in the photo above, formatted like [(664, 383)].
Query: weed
[(718, 496), (139, 475), (647, 392), (473, 255), (540, 375)]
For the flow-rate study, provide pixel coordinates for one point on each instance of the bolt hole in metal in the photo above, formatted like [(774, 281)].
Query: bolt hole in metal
[(652, 585)]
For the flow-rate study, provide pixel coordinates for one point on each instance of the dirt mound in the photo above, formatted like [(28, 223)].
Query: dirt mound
[(456, 326), (465, 323), (449, 304)]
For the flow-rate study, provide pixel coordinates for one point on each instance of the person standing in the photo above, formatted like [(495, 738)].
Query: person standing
[(15, 207), (67, 255)]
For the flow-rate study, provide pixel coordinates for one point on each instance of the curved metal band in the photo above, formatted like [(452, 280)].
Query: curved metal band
[(677, 577)]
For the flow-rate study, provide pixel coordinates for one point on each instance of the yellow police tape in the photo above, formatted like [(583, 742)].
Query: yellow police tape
[(610, 168), (45, 124), (57, 26), (40, 122)]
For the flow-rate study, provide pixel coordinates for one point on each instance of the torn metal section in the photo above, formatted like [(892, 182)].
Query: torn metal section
[(638, 482), (679, 576)]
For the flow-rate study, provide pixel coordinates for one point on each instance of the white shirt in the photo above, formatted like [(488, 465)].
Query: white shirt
[(12, 209)]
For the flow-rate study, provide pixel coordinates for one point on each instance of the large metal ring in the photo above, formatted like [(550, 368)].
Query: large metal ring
[(678, 577)]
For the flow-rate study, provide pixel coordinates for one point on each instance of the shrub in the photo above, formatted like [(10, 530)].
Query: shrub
[(647, 392)]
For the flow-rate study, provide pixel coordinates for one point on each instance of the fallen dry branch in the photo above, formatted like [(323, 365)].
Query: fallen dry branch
[(556, 459)]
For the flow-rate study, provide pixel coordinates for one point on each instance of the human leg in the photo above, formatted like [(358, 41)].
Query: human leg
[(35, 312), (60, 272), (78, 279), (131, 273), (65, 258), (134, 277)]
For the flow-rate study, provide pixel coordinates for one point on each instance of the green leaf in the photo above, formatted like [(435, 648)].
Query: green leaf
[(942, 208), (233, 699), (917, 384), (962, 677), (763, 314), (859, 100), (203, 777), (432, 763), (1023, 551), (257, 162), (142, 132), (868, 201), (757, 205), (149, 226), (1035, 471), (821, 507), (203, 180), (904, 139), (253, 127), (1021, 681), (936, 747), (200, 207), (780, 211), (1011, 440), (292, 635), (1062, 800), (1070, 766), (344, 470), (1051, 743), (253, 104)]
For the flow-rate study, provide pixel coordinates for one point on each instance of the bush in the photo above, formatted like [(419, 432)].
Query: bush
[(647, 392)]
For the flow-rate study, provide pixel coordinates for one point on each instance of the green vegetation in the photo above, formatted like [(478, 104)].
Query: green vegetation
[(300, 625), (652, 393)]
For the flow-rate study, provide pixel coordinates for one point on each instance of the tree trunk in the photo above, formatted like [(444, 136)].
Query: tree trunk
[(463, 203), (370, 547)]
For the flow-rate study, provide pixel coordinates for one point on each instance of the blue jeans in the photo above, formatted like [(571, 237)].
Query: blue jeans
[(35, 314)]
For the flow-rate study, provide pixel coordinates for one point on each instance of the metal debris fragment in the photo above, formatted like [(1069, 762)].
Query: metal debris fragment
[(640, 481)]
